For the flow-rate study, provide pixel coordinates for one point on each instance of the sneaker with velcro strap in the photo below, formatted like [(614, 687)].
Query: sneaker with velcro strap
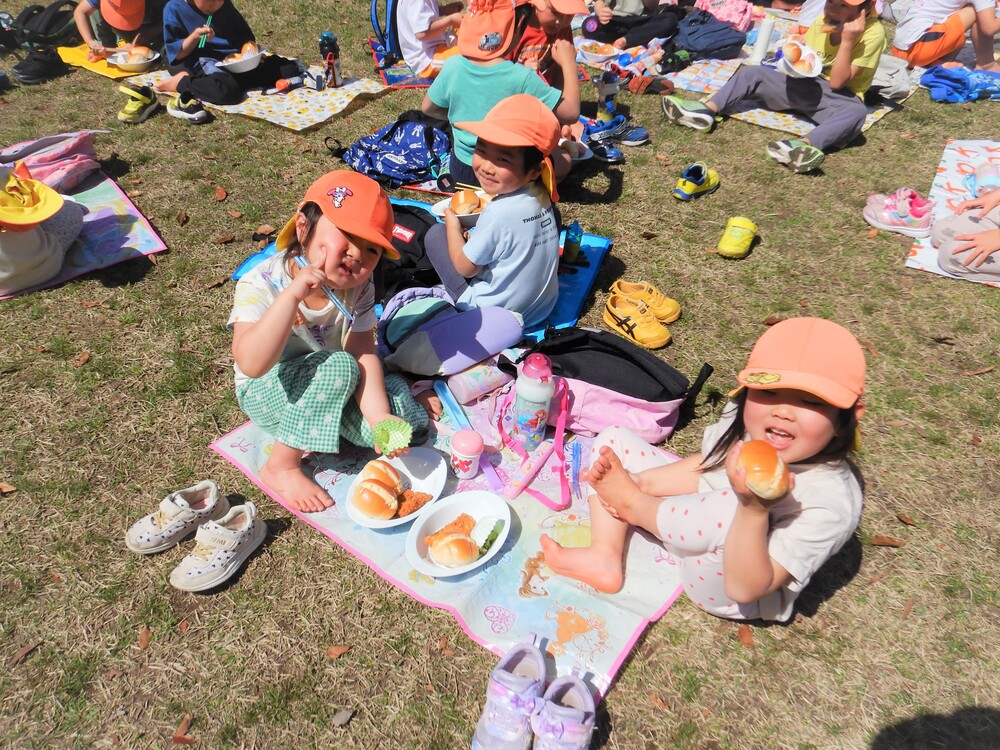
[(186, 107), (141, 103), (221, 547), (633, 319), (179, 514)]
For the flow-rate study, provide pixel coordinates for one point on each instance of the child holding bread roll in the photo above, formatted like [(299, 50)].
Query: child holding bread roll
[(303, 341), (511, 258), (849, 39), (740, 555)]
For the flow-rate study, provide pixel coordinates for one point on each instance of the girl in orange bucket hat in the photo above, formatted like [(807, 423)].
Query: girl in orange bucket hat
[(740, 555)]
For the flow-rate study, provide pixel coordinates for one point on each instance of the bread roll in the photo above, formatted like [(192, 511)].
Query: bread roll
[(465, 202), (375, 499), (139, 55), (384, 472), (767, 475), (791, 52), (249, 50), (804, 66), (454, 550), (829, 28)]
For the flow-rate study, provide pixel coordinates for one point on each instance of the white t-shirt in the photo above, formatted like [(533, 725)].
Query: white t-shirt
[(315, 330), (414, 17), (925, 13), (517, 240), (808, 527)]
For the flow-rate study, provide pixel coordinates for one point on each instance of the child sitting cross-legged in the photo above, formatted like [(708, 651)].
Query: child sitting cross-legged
[(511, 257), (740, 555), (850, 39), (426, 34)]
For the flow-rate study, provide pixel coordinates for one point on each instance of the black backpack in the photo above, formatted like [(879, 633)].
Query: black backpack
[(53, 26), (413, 269)]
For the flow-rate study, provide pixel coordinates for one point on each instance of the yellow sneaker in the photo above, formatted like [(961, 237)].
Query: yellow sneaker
[(738, 238), (665, 309), (633, 320)]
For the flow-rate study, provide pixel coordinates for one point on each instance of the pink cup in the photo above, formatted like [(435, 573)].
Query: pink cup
[(466, 449)]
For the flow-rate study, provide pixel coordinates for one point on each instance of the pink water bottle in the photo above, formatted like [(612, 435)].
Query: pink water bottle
[(533, 391), (466, 450)]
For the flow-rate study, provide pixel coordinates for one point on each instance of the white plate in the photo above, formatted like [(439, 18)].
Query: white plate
[(118, 60), (597, 58), (584, 155), (423, 470), (466, 220), (787, 68), (478, 504), (243, 65)]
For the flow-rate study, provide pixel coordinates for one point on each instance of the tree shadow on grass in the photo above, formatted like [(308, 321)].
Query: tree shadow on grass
[(971, 728)]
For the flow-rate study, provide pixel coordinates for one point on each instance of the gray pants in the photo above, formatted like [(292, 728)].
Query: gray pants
[(943, 233), (839, 115)]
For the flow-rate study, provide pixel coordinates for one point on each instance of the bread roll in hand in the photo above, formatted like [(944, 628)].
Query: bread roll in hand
[(766, 473), (465, 202)]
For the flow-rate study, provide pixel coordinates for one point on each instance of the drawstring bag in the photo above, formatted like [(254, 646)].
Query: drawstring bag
[(60, 161)]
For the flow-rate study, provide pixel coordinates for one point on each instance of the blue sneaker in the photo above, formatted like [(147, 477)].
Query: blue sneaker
[(607, 152), (696, 179), (513, 695), (616, 130)]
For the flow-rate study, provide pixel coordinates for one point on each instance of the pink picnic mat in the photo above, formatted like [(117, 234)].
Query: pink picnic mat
[(515, 594)]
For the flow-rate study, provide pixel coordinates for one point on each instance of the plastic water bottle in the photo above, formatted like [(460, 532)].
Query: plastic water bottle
[(759, 51), (329, 50), (533, 393), (287, 84), (571, 245)]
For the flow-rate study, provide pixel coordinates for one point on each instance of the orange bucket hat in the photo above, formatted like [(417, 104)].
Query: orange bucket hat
[(356, 204), (521, 120), (812, 355), (487, 29)]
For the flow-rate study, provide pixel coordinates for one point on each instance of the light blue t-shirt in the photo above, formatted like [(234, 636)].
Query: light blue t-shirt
[(468, 91), (517, 240)]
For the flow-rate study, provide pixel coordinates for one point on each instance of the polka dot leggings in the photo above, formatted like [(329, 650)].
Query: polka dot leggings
[(692, 527)]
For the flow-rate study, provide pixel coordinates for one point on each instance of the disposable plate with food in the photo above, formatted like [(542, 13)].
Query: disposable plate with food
[(482, 506), (596, 53), (799, 61), (244, 64), (422, 470), (120, 61), (583, 150), (466, 220)]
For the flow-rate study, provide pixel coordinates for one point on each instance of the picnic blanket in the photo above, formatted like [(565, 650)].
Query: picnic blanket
[(77, 57), (514, 595), (297, 110), (960, 158), (114, 230), (398, 76)]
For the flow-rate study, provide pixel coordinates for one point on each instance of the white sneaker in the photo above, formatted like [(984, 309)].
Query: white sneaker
[(221, 548), (180, 512)]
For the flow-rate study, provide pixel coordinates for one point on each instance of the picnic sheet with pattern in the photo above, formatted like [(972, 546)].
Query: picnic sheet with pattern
[(297, 110), (114, 231), (514, 595), (399, 75), (960, 159)]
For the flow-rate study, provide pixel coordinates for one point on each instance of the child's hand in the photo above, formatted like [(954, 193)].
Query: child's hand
[(986, 202), (202, 31), (389, 418), (738, 480), (852, 30), (308, 279), (603, 13), (563, 53), (455, 19), (982, 245)]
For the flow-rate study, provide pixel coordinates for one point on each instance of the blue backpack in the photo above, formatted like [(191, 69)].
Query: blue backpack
[(386, 32), (960, 84), (410, 150), (708, 38)]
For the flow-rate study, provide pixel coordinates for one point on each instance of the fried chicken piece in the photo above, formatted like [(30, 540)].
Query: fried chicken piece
[(410, 501)]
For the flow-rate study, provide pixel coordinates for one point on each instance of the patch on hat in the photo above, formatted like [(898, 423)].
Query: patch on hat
[(491, 42), (763, 378), (338, 194)]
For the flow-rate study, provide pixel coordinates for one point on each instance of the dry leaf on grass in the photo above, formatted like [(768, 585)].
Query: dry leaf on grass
[(659, 702), (81, 360), (181, 736), (220, 193), (7, 488), (225, 240), (183, 626), (133, 193), (182, 217), (907, 608), (264, 229), (773, 320), (236, 214), (153, 259), (144, 636), (663, 158), (871, 233), (335, 652), (40, 348), (342, 717), (983, 371), (880, 540), (867, 345), (20, 655), (908, 136), (975, 441), (647, 235), (897, 423), (216, 282), (905, 519), (746, 636), (92, 303)]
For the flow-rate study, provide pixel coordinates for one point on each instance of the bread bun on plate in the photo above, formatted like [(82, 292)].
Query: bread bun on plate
[(791, 52), (384, 472), (375, 499), (766, 473), (451, 546), (465, 202), (805, 65), (248, 50), (139, 55)]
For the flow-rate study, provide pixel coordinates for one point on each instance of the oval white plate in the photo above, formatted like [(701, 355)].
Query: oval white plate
[(423, 470), (477, 503), (466, 220), (789, 70), (584, 155), (243, 65), (596, 58), (118, 60)]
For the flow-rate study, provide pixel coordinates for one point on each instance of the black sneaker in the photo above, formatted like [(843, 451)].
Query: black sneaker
[(186, 107), (39, 66)]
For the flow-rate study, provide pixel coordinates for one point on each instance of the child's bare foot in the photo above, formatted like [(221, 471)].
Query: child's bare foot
[(593, 565), (991, 67), (169, 85), (613, 484), (289, 483)]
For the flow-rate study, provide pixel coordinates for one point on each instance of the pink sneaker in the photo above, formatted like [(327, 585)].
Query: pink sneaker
[(903, 212)]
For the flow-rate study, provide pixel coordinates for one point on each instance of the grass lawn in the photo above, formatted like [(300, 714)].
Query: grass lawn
[(892, 648)]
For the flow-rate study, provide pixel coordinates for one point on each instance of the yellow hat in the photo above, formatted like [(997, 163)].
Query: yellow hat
[(25, 203)]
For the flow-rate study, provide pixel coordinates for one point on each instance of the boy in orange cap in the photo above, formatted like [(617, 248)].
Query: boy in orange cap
[(552, 21), (510, 260), (470, 84)]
